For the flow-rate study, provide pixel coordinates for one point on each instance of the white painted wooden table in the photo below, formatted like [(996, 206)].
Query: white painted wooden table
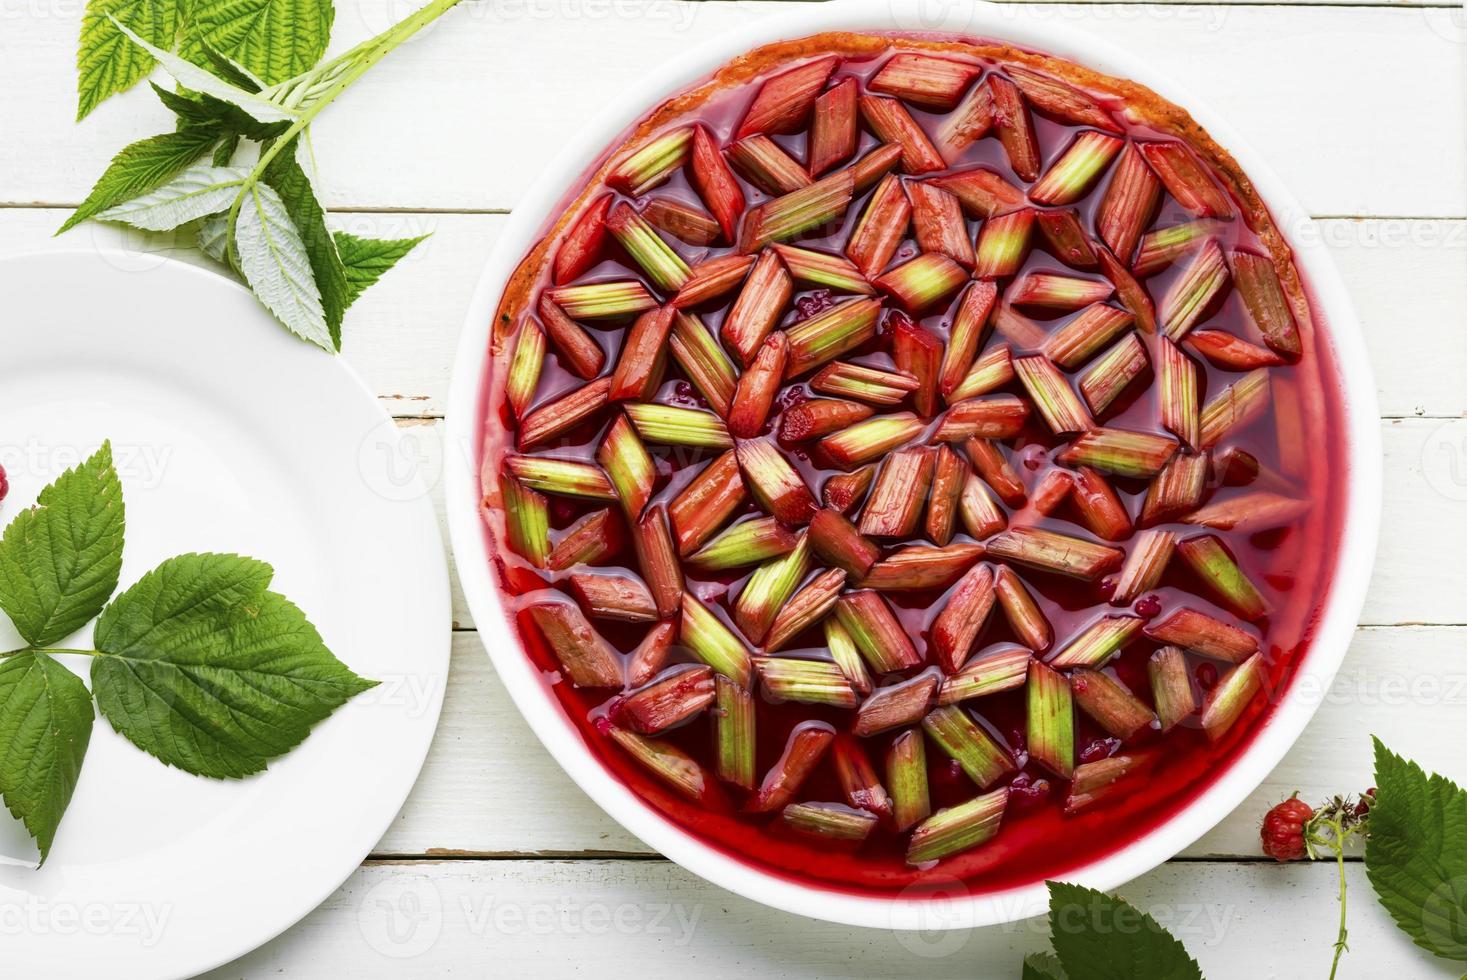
[(498, 865)]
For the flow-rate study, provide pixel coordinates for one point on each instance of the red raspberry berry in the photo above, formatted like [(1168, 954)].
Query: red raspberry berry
[(4, 484), (1367, 800), (1283, 830)]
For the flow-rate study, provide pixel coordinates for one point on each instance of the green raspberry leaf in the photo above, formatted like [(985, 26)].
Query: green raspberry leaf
[(273, 39), (1097, 937), (287, 174), (106, 61), (59, 561), (1416, 854), (142, 167), (1043, 966), (206, 669), (45, 724), (366, 259), (273, 259), (198, 110)]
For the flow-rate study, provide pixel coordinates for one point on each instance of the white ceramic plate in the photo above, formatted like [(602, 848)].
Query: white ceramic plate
[(1029, 26), (229, 435)]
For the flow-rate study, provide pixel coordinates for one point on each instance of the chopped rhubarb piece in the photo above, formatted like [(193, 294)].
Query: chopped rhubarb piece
[(527, 520), (1017, 328), (962, 618), (1128, 205), (881, 228), (858, 780), (1226, 703), (828, 821), (715, 183), (892, 123), (918, 352), (981, 758), (805, 681), (1113, 372), (682, 692), (581, 248), (1171, 687), (733, 722), (1015, 128), (1249, 513), (870, 439), (1065, 238), (921, 567), (1056, 401), (933, 83), (1020, 609), (1070, 177), (1176, 490), (655, 257), (765, 165), (774, 484), (665, 761), (949, 472), (1164, 246), (1003, 241), (989, 417), (1258, 283), (1051, 291), (590, 540), (1232, 353), (602, 300), (924, 282), (820, 416), (576, 348), (1097, 643), (836, 542), (1196, 292), (643, 357), (1078, 340), (1145, 563), (993, 370), (657, 556), (1093, 781), (587, 659), (807, 608), (524, 366), (703, 360), (653, 163), (746, 543), (768, 589), (757, 387), (937, 220), (826, 336), (1052, 490), (702, 506), (1054, 98), (895, 504), (682, 221), (982, 518), (672, 425), (1108, 701), (784, 101), (712, 279), (874, 165), (713, 643), (1235, 407), (1001, 667), (1204, 634), (906, 774), (566, 477), (864, 383), (833, 128), (966, 336), (1120, 451), (843, 491), (896, 705), (989, 460), (1100, 508), (969, 122), (1209, 558), (821, 204), (1177, 392), (1187, 180), (876, 631), (843, 651), (982, 192), (1051, 551), (1051, 734), (651, 654), (823, 269), (802, 753)]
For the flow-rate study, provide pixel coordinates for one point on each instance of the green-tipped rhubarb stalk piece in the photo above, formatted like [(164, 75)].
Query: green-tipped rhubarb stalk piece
[(1121, 452), (1171, 687), (966, 336), (768, 589), (602, 300), (958, 828), (667, 762), (957, 734), (565, 477), (672, 425), (808, 607), (1097, 643), (745, 543), (1051, 735), (828, 821), (1227, 702), (1196, 292), (843, 651), (867, 384), (629, 466), (1209, 558), (587, 659), (805, 681), (825, 336), (1112, 373), (821, 204), (1002, 667), (982, 517), (993, 369), (713, 643), (1003, 242), (653, 163), (1081, 338), (774, 484), (524, 366), (1107, 700), (703, 360), (871, 439), (1164, 246), (527, 520), (734, 732), (1145, 564), (1056, 401), (876, 631), (921, 284), (1235, 407), (1052, 551), (906, 777), (1072, 175), (821, 269)]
